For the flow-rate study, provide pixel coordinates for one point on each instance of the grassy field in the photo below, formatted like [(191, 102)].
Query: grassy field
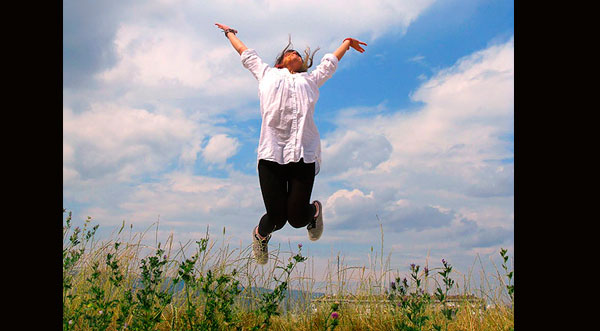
[(117, 284)]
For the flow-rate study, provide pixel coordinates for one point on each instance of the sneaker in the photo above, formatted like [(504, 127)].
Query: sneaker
[(260, 247), (315, 227)]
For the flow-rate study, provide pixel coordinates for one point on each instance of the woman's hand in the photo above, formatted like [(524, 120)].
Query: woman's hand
[(356, 44), (346, 44), (222, 26), (235, 42)]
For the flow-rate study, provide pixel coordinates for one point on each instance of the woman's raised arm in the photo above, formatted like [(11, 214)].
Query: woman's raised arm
[(346, 44), (230, 34)]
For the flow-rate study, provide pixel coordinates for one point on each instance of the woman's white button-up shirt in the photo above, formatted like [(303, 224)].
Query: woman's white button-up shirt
[(287, 105)]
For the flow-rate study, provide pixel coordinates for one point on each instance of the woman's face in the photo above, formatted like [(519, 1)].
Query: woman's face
[(292, 60)]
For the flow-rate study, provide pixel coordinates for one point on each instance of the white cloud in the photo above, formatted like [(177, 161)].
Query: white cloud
[(121, 142), (219, 148), (354, 148), (453, 142), (183, 202), (178, 49), (354, 210), (443, 172), (171, 58), (478, 87), (190, 152), (346, 206), (190, 202)]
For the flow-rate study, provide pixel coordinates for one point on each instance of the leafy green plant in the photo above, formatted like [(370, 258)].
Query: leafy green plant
[(186, 275), (73, 250), (151, 299), (270, 301), (123, 299), (411, 305), (97, 308), (510, 288), (442, 295), (219, 293)]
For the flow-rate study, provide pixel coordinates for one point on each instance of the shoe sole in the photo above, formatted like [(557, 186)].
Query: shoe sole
[(316, 236)]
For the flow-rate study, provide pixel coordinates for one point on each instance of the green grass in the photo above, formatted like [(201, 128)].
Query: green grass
[(123, 284)]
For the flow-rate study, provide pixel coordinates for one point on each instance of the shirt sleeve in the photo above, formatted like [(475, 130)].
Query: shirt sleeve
[(252, 62), (325, 69)]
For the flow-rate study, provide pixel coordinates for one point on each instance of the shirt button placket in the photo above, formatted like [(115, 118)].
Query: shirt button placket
[(295, 118)]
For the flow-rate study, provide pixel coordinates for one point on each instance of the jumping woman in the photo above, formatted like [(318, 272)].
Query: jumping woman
[(289, 149)]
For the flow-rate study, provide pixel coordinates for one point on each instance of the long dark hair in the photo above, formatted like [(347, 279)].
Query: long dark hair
[(307, 60)]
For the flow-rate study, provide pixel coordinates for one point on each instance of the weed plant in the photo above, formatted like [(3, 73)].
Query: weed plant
[(121, 284)]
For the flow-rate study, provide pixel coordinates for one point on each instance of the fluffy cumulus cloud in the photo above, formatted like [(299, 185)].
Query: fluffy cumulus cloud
[(355, 210), (344, 207), (219, 148), (174, 50), (180, 203), (174, 59), (355, 148), (188, 200), (121, 142), (439, 177), (455, 142)]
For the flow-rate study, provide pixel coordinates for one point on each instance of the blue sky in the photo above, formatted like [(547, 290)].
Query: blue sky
[(161, 121)]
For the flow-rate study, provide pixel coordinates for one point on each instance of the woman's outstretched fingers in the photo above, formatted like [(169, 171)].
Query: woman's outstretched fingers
[(222, 26), (356, 45)]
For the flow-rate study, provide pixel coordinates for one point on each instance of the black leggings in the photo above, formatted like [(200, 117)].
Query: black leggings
[(286, 190)]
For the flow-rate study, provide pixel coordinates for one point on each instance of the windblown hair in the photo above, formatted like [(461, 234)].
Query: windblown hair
[(307, 60)]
